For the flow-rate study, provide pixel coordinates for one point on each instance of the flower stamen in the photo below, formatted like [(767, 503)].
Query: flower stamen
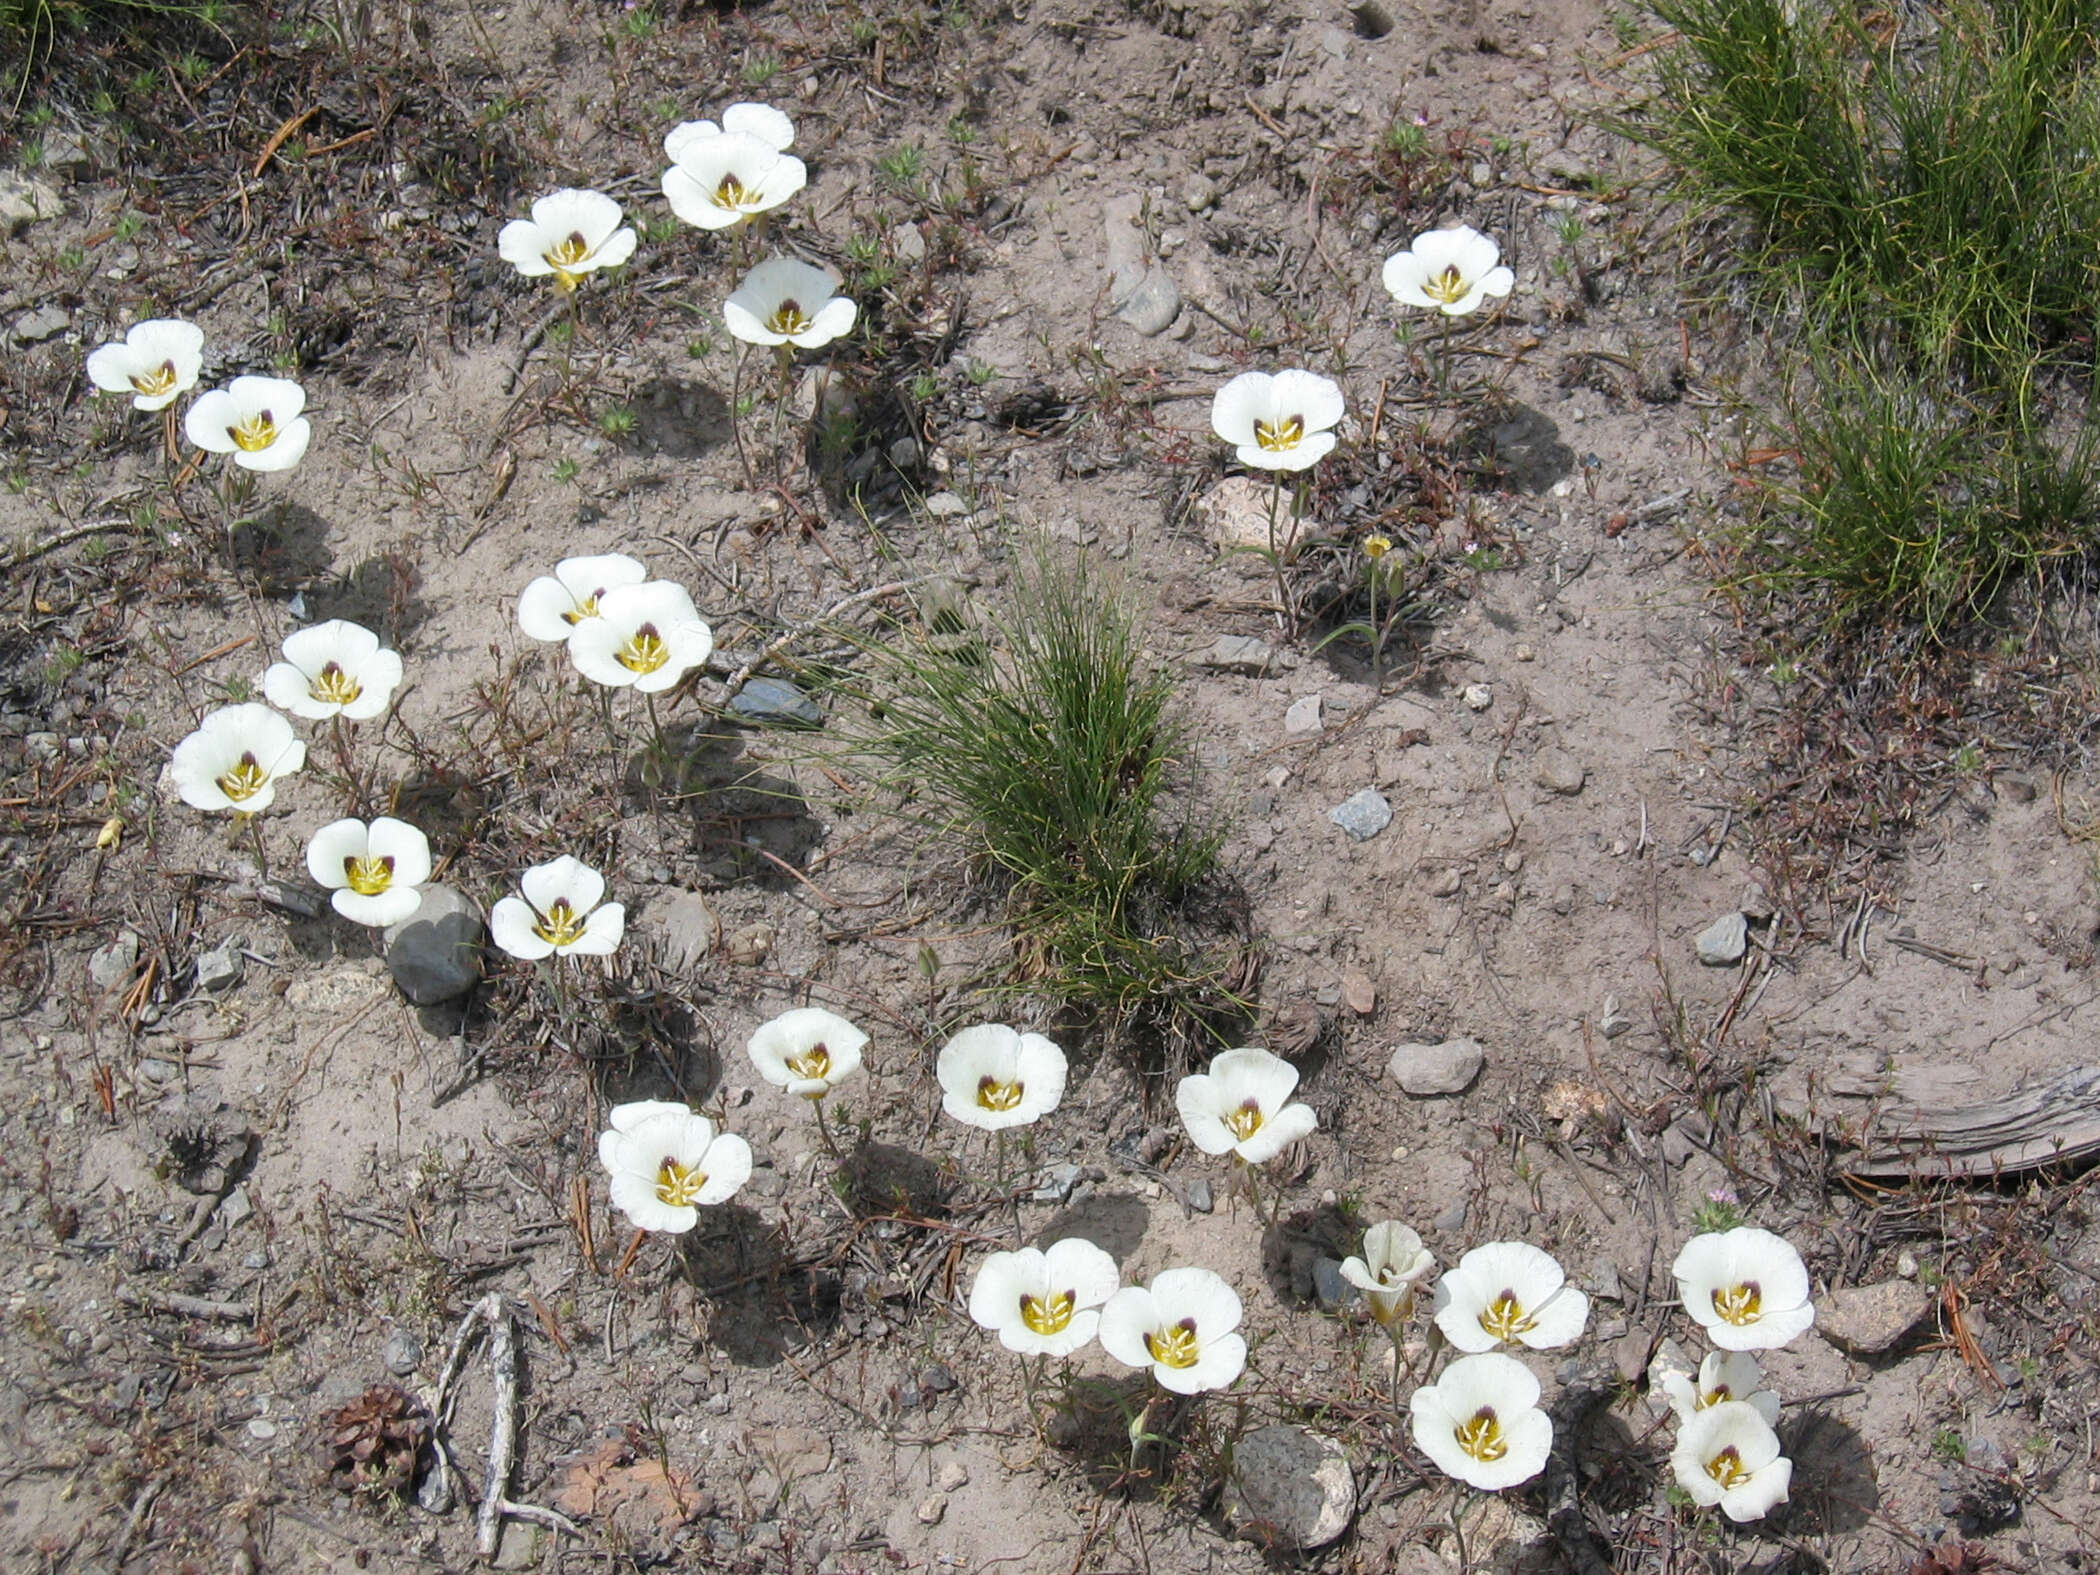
[(644, 652), (1278, 436), (332, 686), (159, 380), (1048, 1315), (368, 876), (1176, 1346), (1446, 287), (995, 1095), (1738, 1304), (255, 434), (1244, 1122), (1481, 1436), (732, 194), (564, 256), (678, 1186), (561, 925), (1505, 1317), (812, 1064), (1726, 1468), (244, 781), (789, 318)]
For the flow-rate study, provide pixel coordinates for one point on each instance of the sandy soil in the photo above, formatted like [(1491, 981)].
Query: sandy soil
[(1584, 749)]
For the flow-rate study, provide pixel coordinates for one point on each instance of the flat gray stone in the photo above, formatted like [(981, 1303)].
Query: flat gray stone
[(1362, 815), (435, 953), (1152, 307), (1429, 1070), (1290, 1488), (41, 323), (1560, 772), (946, 506), (222, 966), (1722, 943), (776, 701), (1303, 717), (1239, 653), (1333, 1292), (1868, 1320), (404, 1352), (689, 931), (112, 965), (24, 201)]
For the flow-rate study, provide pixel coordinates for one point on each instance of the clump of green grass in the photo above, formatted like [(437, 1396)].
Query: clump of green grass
[(1057, 763), (1922, 194)]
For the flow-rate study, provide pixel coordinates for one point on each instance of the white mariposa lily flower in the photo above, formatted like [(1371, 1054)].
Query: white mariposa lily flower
[(1723, 1376), (1239, 1106), (156, 362), (255, 419), (1729, 1455), (551, 606), (333, 669), (1746, 1287), (715, 182), (762, 121), (1181, 1326), (993, 1077), (645, 637), (235, 759), (1450, 271), (1394, 1259), (1480, 1422), (372, 872), (571, 233), (1509, 1292), (1279, 422), (1044, 1302), (787, 301), (667, 1162), (562, 914), (807, 1051)]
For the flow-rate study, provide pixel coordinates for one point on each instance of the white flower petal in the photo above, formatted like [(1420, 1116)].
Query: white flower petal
[(793, 1035), (334, 846), (1238, 405), (566, 879), (1080, 1267), (728, 1168), (250, 738), (395, 905), (1002, 1280), (1291, 1124), (763, 121), (514, 927), (1220, 1362), (834, 319), (1126, 1319), (602, 932), (1315, 400)]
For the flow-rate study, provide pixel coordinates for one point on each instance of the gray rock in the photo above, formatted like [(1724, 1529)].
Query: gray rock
[(1452, 1218), (1199, 192), (907, 244), (1445, 882), (1239, 653), (777, 702), (41, 323), (904, 453), (1303, 717), (1722, 943), (1199, 1195), (1426, 1070), (1362, 815), (112, 965), (24, 201), (1558, 771), (1152, 307), (1290, 1488), (1867, 1320), (221, 967), (1333, 1291), (404, 1352), (1478, 697), (1613, 1022), (946, 505), (689, 931), (435, 953)]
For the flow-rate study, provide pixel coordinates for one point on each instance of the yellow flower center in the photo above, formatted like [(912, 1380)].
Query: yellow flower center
[(789, 318), (1274, 438), (158, 381), (1244, 1122), (1376, 547), (332, 686), (678, 1186), (644, 652), (1446, 287), (368, 876), (1505, 1317), (812, 1064), (255, 434), (244, 781), (995, 1095), (1481, 1436), (1713, 1396), (733, 194), (587, 608), (566, 257), (1175, 1346), (560, 925), (1726, 1468), (1051, 1316), (1738, 1304)]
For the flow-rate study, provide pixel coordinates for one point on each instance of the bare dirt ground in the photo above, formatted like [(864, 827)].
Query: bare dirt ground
[(232, 1211)]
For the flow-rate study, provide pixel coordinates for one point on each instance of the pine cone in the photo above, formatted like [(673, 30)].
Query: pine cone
[(377, 1443)]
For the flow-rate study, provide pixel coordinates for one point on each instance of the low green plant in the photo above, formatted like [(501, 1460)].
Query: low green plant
[(1056, 762)]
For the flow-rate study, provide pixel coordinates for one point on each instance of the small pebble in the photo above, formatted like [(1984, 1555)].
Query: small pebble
[(932, 1508), (1478, 697)]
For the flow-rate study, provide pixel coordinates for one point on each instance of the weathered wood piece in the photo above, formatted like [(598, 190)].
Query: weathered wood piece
[(1923, 1125)]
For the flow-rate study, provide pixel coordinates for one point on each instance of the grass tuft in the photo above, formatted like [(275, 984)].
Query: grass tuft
[(1058, 765)]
